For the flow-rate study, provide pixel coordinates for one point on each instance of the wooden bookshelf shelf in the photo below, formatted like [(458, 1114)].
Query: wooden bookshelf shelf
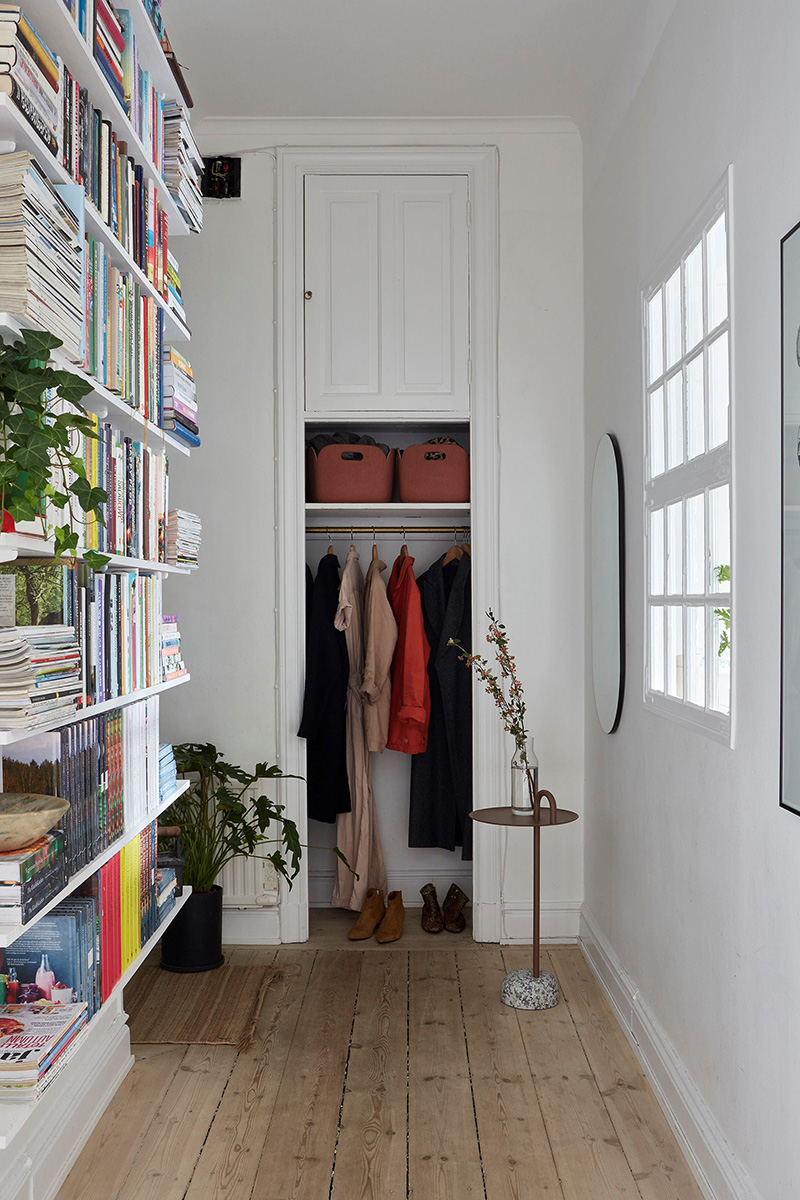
[(62, 35), (10, 933), (13, 1115), (9, 736), (26, 545), (15, 132), (101, 401)]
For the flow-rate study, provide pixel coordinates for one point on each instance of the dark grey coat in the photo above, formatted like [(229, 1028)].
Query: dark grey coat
[(441, 778)]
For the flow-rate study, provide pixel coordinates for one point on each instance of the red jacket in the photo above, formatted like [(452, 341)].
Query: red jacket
[(410, 709)]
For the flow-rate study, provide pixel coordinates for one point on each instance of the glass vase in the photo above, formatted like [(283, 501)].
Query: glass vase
[(524, 777)]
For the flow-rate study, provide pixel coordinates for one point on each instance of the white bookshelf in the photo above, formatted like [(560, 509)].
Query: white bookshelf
[(15, 1115), (10, 933), (63, 37), (9, 736), (15, 132), (27, 545)]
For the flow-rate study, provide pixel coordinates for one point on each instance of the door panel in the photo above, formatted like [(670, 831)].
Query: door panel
[(387, 322)]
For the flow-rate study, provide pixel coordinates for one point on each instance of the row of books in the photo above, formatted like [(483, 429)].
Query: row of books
[(174, 293), (136, 480), (184, 533), (40, 675), (119, 620), (108, 768), (173, 664), (180, 397)]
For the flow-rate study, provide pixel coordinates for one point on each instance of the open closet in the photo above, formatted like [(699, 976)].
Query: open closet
[(384, 445)]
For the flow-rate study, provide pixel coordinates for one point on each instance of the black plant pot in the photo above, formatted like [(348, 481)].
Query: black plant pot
[(193, 942)]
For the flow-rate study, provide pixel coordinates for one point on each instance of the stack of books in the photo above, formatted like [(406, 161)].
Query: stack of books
[(180, 397), (30, 75), (173, 664), (183, 164), (34, 1042), (167, 772), (109, 47), (41, 252), (29, 878), (40, 675), (143, 103), (58, 960), (174, 298), (184, 532)]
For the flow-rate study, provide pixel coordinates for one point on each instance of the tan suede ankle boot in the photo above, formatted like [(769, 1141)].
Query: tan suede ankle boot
[(371, 916), (391, 927)]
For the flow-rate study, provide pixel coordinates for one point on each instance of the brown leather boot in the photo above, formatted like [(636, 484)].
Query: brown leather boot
[(391, 927), (432, 921), (371, 916), (452, 909)]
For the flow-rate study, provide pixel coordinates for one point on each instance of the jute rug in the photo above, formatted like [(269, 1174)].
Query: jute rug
[(213, 1008)]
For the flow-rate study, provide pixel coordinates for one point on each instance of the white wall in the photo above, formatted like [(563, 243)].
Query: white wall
[(226, 610), (691, 867)]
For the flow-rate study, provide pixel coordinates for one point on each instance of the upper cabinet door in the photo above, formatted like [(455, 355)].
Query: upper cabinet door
[(387, 293)]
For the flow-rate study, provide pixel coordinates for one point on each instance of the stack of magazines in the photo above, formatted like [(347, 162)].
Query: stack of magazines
[(183, 164), (184, 533), (40, 675), (34, 1039)]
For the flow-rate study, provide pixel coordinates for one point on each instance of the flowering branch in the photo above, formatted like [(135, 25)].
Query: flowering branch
[(511, 704)]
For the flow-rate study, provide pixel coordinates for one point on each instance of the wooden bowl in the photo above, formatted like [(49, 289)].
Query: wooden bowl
[(24, 817)]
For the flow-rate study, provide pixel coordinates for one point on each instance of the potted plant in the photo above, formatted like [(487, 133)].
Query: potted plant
[(218, 823), (41, 423)]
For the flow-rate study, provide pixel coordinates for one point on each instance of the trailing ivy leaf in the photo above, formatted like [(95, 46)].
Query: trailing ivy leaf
[(39, 343), (82, 489), (32, 457), (65, 540), (59, 500), (20, 508), (96, 560), (28, 387), (71, 387)]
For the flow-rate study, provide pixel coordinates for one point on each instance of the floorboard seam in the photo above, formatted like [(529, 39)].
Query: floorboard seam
[(469, 1072), (344, 1080), (408, 1072), (210, 1125)]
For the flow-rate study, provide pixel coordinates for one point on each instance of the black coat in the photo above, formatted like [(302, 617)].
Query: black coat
[(324, 702), (441, 778)]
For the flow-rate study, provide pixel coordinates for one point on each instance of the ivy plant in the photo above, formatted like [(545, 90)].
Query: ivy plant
[(41, 422), (723, 574)]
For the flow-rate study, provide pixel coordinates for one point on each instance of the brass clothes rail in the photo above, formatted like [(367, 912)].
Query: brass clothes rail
[(375, 529)]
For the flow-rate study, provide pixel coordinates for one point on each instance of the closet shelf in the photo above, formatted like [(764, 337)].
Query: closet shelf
[(9, 736), (341, 513), (106, 404), (13, 1114), (385, 420), (10, 933)]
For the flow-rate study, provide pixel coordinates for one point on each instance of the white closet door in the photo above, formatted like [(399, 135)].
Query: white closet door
[(387, 293)]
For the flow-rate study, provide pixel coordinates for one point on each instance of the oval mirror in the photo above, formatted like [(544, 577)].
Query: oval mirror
[(607, 581)]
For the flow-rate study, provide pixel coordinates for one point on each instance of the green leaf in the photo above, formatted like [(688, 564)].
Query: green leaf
[(65, 540), (71, 387), (39, 343), (32, 457), (93, 559), (28, 387)]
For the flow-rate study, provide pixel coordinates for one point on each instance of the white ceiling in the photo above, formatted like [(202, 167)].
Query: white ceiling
[(411, 58)]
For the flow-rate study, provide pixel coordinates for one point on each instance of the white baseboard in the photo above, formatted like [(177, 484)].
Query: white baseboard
[(560, 921), (320, 884), (719, 1173), (253, 926)]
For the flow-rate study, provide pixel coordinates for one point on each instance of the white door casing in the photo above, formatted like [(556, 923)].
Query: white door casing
[(387, 293), (479, 166)]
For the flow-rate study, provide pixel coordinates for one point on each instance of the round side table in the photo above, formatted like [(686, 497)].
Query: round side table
[(526, 987)]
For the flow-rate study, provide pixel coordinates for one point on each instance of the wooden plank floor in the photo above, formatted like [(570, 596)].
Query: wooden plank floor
[(393, 1074)]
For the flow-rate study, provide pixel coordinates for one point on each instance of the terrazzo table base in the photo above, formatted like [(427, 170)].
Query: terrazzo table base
[(521, 989)]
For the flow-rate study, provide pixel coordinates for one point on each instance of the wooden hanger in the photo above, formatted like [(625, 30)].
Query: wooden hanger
[(374, 551), (455, 553), (330, 543)]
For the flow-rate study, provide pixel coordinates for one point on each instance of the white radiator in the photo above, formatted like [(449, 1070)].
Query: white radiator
[(250, 882)]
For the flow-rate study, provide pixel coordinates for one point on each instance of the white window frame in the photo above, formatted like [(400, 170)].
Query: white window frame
[(691, 478)]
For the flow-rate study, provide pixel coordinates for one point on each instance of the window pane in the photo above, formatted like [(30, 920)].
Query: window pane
[(718, 392), (675, 651), (719, 516), (675, 420), (693, 282), (695, 408), (657, 648), (675, 549), (672, 301), (657, 552), (657, 433), (721, 663), (695, 654), (695, 545), (717, 273), (655, 337)]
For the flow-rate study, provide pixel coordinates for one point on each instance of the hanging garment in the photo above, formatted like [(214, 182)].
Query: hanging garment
[(324, 702), (380, 639), (357, 831), (441, 778), (410, 707)]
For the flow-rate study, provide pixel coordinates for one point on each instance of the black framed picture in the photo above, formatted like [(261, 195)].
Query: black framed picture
[(790, 598)]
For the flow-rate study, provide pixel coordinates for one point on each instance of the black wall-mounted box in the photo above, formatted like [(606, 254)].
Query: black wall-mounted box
[(222, 178)]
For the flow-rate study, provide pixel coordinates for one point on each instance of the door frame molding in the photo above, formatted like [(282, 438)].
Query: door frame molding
[(481, 166)]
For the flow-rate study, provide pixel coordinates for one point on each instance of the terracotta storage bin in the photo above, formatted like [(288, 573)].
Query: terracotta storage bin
[(434, 474), (342, 474)]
